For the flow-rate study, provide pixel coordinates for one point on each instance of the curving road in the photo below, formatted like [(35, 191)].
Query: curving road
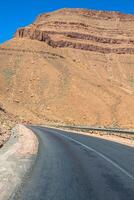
[(77, 167)]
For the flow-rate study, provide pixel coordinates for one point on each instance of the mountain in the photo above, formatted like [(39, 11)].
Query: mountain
[(71, 66)]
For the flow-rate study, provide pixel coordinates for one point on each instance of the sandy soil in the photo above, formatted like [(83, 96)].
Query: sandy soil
[(28, 142), (16, 159)]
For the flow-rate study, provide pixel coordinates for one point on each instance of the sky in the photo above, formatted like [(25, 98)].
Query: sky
[(15, 13)]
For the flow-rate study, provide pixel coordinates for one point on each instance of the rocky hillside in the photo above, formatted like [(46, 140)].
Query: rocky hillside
[(71, 66), (7, 121), (102, 32)]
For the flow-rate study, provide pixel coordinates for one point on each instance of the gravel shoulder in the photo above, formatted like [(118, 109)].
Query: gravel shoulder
[(16, 159)]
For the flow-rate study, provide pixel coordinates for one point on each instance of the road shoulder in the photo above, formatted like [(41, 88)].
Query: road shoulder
[(16, 159)]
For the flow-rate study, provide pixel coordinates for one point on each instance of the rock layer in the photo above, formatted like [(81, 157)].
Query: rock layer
[(83, 35)]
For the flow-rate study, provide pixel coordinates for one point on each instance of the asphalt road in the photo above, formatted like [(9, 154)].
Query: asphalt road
[(81, 168)]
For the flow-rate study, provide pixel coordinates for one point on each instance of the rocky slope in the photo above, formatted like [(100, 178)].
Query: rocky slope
[(7, 121), (71, 66), (83, 29)]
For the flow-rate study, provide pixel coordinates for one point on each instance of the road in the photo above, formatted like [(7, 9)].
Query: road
[(77, 167)]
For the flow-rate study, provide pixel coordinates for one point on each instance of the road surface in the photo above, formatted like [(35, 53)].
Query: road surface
[(77, 167)]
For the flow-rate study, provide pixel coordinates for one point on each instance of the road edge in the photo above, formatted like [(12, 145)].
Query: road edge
[(102, 135), (17, 158)]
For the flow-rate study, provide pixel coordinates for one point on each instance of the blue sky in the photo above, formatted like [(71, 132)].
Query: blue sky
[(15, 13)]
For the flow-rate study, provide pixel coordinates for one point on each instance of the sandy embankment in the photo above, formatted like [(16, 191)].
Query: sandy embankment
[(16, 159)]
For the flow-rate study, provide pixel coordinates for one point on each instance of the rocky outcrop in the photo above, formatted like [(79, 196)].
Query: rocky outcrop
[(94, 14), (84, 34), (45, 37)]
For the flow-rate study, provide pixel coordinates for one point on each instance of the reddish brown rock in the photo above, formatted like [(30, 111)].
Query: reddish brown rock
[(84, 35)]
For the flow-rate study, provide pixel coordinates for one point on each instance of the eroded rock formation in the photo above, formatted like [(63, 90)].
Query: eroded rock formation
[(104, 32)]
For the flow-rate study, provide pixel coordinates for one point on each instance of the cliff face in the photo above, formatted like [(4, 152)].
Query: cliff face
[(71, 66), (102, 32)]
